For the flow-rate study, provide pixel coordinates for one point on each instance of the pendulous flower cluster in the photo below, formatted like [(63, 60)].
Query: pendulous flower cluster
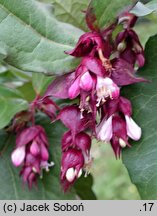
[(106, 66), (31, 150), (100, 111)]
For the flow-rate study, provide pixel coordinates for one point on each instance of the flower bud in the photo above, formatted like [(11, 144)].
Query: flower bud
[(125, 106), (121, 46), (70, 174), (86, 81), (122, 143), (18, 156), (34, 148), (83, 142), (74, 89)]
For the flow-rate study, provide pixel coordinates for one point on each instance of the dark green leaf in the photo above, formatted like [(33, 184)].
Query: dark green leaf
[(27, 91), (40, 82), (71, 11), (9, 93), (106, 11), (11, 103), (83, 188), (31, 39), (141, 159)]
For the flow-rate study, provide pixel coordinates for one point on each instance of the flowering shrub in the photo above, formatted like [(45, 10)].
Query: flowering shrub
[(97, 91)]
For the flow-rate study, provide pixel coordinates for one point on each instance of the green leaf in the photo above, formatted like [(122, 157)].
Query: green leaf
[(31, 39), (83, 187), (144, 10), (106, 11), (27, 91), (9, 93), (40, 82), (141, 159), (11, 103), (71, 11)]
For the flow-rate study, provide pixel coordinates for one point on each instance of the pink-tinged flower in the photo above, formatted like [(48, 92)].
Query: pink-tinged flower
[(18, 156), (133, 130), (106, 88), (117, 125), (85, 76), (81, 141), (89, 44), (71, 167), (104, 130)]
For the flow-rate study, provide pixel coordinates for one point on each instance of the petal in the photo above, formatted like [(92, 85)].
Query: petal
[(104, 130), (86, 81), (101, 82), (115, 91), (44, 152), (18, 156), (133, 130), (74, 89), (34, 148)]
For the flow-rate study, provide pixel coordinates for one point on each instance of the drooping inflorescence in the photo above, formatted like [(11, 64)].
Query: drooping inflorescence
[(101, 111), (106, 66)]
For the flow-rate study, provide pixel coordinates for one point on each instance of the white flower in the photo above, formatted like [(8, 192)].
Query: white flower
[(104, 130), (106, 88), (133, 130)]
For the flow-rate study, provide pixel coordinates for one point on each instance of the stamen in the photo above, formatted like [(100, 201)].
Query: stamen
[(81, 113), (106, 62)]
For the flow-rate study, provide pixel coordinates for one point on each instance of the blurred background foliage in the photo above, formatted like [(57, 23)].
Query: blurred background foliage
[(111, 179)]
